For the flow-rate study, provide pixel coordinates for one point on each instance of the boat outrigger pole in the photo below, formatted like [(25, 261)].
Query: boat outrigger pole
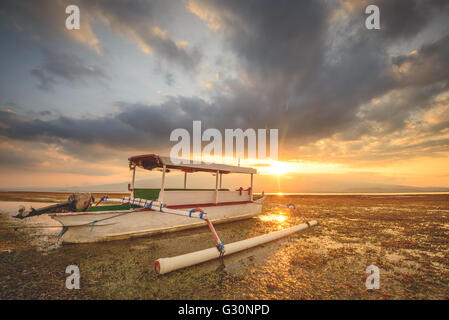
[(165, 265)]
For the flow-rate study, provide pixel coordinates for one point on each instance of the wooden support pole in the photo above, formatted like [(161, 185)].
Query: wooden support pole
[(252, 185), (161, 193), (216, 186), (185, 180), (133, 181)]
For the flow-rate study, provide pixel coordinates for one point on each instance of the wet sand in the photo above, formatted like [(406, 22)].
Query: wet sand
[(407, 237)]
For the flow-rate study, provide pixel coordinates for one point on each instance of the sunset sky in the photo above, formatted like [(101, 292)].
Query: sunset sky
[(354, 107)]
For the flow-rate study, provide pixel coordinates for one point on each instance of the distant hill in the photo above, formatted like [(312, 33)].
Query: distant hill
[(111, 187), (155, 183), (396, 189)]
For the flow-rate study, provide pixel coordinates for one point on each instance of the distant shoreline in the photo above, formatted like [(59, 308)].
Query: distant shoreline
[(258, 193), (350, 193)]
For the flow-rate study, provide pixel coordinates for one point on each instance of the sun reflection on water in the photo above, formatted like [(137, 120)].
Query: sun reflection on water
[(274, 217)]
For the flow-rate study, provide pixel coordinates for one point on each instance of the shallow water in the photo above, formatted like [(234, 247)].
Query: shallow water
[(41, 231), (407, 238)]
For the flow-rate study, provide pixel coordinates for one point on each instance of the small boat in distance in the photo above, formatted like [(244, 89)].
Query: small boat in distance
[(150, 211)]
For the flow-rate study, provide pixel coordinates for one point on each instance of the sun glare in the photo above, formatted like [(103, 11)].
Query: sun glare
[(280, 168), (277, 168), (273, 218)]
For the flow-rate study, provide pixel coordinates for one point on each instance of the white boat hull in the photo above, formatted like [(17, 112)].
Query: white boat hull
[(144, 223)]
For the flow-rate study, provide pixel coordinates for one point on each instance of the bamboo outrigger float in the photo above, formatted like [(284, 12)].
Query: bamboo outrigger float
[(154, 211)]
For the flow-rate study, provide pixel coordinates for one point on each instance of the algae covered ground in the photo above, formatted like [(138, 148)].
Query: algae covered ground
[(405, 236)]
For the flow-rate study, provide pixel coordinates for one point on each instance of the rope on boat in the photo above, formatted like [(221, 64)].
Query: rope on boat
[(105, 198), (201, 212), (93, 224)]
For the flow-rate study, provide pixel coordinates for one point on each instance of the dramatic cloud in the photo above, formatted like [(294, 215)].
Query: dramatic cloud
[(134, 20), (66, 67), (425, 66), (404, 19), (138, 21), (308, 75), (311, 69), (45, 20)]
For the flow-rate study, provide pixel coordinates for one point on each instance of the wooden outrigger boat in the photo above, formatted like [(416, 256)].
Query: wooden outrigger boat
[(144, 212), (155, 211)]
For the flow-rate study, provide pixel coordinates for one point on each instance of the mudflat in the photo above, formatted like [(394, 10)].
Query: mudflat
[(405, 236)]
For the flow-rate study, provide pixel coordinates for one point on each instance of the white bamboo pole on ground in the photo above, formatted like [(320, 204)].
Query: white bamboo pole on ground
[(165, 265)]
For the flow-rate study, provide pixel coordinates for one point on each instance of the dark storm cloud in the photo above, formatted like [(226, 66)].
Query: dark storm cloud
[(420, 77), (135, 20), (87, 131), (134, 126), (65, 67), (393, 114), (299, 71), (274, 37), (283, 48), (12, 159), (140, 19), (404, 18), (34, 160), (310, 75), (428, 65)]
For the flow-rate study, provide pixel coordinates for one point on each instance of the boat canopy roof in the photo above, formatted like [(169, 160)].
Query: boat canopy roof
[(151, 161)]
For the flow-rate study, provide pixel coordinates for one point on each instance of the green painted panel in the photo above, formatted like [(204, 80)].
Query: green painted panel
[(110, 208), (149, 194), (153, 194)]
